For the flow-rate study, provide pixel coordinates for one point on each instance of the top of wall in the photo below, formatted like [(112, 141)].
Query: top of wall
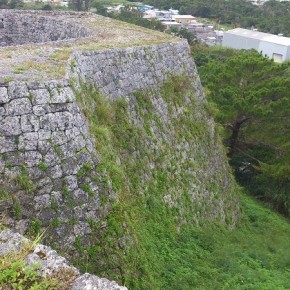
[(37, 45)]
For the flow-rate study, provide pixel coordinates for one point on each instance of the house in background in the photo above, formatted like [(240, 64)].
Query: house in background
[(273, 46), (143, 8), (183, 18)]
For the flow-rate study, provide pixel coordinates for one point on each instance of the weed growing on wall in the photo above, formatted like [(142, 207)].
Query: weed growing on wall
[(15, 274), (158, 155)]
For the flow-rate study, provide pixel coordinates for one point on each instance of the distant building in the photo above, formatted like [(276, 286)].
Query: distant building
[(144, 7), (173, 12), (262, 2), (183, 18), (171, 24), (272, 46)]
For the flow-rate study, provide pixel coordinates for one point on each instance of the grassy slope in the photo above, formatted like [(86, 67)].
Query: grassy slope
[(142, 244)]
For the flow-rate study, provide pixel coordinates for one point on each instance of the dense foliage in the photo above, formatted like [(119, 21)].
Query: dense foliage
[(142, 243), (252, 95), (135, 17), (272, 17)]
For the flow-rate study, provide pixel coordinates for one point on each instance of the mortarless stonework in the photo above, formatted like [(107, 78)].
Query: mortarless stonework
[(120, 72), (45, 136), (47, 158), (35, 28)]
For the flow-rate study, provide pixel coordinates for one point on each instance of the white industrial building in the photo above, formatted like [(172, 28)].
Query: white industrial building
[(272, 46)]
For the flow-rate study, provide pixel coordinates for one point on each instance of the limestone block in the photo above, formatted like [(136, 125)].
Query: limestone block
[(77, 144), (80, 195), (17, 90), (51, 158), (56, 197), (62, 95), (18, 107), (59, 137), (40, 110), (71, 133), (71, 182), (58, 120), (44, 135), (8, 144), (10, 242), (2, 113), (40, 97), (32, 158), (90, 282), (28, 141), (55, 171), (3, 95), (71, 166), (10, 126), (42, 201), (44, 146), (29, 123)]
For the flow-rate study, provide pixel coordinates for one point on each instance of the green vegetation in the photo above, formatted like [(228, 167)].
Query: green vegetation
[(147, 243), (42, 166), (251, 94), (15, 274), (134, 17), (23, 181), (271, 17)]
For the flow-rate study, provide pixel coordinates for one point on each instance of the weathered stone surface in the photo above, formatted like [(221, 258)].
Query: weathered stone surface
[(29, 123), (10, 242), (134, 68), (17, 90), (3, 95), (7, 144), (32, 27), (40, 97), (18, 107), (10, 126), (90, 282), (28, 141), (49, 262), (62, 95), (45, 136)]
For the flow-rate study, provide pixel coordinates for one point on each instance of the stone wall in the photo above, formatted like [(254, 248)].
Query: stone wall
[(46, 159), (49, 174), (120, 72), (22, 28)]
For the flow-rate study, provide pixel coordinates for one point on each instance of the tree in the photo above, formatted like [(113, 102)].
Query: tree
[(184, 33), (252, 94)]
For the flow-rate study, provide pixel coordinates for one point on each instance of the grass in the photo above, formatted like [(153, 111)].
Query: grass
[(15, 274), (49, 61), (109, 3), (155, 236), (23, 181), (153, 185)]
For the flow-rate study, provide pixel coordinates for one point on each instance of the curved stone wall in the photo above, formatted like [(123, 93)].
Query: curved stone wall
[(122, 71), (47, 159), (21, 28)]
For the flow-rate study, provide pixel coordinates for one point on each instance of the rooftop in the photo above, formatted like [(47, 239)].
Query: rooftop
[(183, 16), (260, 36)]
